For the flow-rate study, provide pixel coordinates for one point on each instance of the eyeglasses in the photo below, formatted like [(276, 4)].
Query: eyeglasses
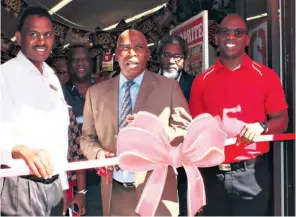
[(177, 57), (238, 33)]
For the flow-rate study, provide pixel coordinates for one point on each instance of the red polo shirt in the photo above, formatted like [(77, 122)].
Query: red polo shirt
[(246, 95)]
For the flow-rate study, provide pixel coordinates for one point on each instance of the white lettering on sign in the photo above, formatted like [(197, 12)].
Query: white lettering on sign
[(192, 34)]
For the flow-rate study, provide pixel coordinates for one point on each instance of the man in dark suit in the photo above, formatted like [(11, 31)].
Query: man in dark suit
[(172, 52)]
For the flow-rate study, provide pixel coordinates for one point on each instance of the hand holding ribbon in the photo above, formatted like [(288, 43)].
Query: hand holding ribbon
[(106, 171)]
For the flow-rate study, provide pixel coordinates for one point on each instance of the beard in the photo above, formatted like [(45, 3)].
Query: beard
[(170, 73)]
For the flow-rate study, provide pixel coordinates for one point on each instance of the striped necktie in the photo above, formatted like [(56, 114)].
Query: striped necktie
[(126, 108)]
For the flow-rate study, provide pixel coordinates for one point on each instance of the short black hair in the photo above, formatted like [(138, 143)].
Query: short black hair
[(74, 47), (172, 39), (71, 50), (32, 11)]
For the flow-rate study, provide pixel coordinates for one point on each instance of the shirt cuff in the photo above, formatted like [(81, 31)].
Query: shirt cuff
[(6, 155), (64, 180)]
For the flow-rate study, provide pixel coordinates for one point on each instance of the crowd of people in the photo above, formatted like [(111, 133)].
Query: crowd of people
[(47, 124)]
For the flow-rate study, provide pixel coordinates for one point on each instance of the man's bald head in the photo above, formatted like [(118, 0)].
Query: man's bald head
[(131, 32), (233, 18), (132, 53)]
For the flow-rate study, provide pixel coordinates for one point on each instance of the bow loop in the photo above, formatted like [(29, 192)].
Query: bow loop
[(152, 124), (142, 151), (204, 142), (144, 146)]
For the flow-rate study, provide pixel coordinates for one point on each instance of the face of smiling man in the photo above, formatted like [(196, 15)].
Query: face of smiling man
[(36, 39), (232, 37), (80, 65), (132, 53)]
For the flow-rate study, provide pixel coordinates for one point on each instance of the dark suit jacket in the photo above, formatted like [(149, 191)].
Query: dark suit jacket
[(185, 83)]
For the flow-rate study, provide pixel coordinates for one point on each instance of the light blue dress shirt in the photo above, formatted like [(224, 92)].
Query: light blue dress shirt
[(125, 176)]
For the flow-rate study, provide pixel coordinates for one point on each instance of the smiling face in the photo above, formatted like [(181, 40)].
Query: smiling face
[(80, 65), (232, 37), (132, 53), (36, 39)]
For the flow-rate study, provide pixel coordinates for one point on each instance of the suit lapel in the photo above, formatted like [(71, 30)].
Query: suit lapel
[(146, 88), (112, 98)]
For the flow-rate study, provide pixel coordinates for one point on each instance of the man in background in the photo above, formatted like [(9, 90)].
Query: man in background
[(60, 65), (172, 52), (80, 69)]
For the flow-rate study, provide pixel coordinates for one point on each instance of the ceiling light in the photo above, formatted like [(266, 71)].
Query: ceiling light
[(138, 16), (132, 19), (256, 17), (59, 6), (53, 10)]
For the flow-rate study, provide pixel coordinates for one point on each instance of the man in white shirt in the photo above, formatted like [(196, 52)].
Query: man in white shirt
[(33, 122)]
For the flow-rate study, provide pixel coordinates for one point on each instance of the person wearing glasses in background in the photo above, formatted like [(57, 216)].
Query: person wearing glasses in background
[(61, 69), (172, 52), (242, 93)]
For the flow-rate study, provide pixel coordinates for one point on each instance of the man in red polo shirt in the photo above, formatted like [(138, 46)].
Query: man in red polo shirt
[(242, 93)]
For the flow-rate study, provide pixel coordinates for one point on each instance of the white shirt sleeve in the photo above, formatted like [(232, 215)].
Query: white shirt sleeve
[(32, 113), (6, 125), (64, 180)]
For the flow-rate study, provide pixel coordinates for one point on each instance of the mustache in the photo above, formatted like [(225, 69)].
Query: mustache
[(171, 67)]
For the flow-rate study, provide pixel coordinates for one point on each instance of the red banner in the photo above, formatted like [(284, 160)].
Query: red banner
[(195, 32)]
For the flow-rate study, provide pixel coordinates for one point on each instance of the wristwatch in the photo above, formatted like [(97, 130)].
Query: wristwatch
[(264, 126)]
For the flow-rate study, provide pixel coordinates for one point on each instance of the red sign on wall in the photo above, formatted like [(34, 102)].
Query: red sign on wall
[(107, 62), (195, 32), (258, 42)]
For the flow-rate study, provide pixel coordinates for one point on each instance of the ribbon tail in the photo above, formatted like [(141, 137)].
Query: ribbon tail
[(196, 197), (152, 193)]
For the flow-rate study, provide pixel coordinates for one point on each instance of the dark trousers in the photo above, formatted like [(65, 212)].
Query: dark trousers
[(24, 197), (182, 191), (93, 200), (241, 192)]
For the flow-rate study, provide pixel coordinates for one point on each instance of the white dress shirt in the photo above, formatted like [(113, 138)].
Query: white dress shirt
[(33, 113), (125, 176)]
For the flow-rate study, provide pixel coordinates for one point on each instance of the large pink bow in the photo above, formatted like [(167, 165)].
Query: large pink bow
[(144, 146)]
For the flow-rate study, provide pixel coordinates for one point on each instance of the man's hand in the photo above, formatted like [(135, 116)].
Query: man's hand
[(39, 161), (105, 171), (250, 133), (79, 199)]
